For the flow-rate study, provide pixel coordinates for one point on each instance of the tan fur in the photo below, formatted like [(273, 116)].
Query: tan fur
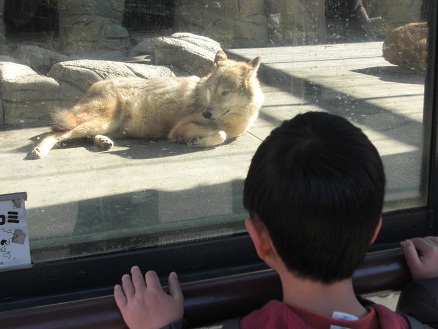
[(197, 111)]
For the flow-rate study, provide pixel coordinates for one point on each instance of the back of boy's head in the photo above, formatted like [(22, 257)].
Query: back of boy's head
[(317, 183)]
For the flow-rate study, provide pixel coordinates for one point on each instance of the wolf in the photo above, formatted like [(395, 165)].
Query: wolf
[(201, 112)]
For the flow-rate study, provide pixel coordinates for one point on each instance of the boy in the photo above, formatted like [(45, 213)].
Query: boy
[(314, 193)]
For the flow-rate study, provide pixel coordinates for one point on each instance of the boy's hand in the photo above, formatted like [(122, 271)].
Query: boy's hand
[(422, 257), (144, 304)]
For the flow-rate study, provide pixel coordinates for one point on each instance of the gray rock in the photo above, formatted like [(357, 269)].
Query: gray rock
[(6, 58), (35, 113), (27, 97), (29, 88), (193, 57), (28, 113), (10, 70), (149, 71), (76, 73), (144, 47), (198, 40), (83, 73), (39, 59), (101, 55)]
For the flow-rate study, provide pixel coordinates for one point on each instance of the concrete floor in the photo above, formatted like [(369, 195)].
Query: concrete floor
[(83, 201)]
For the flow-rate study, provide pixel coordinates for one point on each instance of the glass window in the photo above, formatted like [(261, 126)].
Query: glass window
[(364, 60)]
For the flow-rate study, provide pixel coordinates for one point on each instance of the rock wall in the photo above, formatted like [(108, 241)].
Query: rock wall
[(395, 13), (86, 25), (233, 23), (90, 25), (260, 23), (253, 23), (297, 22)]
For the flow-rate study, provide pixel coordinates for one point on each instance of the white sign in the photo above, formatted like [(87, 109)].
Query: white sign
[(14, 237)]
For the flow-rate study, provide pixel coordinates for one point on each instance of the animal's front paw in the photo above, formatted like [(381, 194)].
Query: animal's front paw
[(103, 142), (196, 141), (39, 153), (211, 140)]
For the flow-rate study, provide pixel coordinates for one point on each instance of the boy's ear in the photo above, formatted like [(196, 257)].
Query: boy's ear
[(259, 236), (376, 232)]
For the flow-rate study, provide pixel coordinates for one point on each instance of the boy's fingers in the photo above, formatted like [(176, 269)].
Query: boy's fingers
[(411, 254), (119, 296), (423, 245), (433, 240), (152, 280), (137, 278), (175, 287), (127, 286)]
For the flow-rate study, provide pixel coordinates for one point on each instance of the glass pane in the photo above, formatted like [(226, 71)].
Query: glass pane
[(362, 60)]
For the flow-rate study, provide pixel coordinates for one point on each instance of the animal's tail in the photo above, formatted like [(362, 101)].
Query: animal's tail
[(63, 120)]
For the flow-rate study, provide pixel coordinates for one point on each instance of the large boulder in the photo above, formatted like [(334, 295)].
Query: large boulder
[(28, 97), (194, 54), (37, 58), (83, 73), (407, 46)]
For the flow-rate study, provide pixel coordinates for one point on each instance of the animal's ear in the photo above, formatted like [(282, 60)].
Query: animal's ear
[(220, 56), (255, 63)]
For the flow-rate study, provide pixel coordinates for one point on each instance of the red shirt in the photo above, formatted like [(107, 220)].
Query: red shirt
[(278, 315)]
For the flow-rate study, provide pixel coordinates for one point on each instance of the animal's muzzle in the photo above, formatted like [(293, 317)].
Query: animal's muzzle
[(207, 113)]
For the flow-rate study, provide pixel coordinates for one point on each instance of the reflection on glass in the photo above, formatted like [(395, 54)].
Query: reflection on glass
[(316, 55)]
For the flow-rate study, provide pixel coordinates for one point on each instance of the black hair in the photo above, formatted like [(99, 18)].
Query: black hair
[(317, 183)]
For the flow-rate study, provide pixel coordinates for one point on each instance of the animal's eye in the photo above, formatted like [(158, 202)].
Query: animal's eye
[(225, 93)]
